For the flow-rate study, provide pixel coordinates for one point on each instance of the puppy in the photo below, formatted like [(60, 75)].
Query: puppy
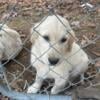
[(55, 54), (10, 43)]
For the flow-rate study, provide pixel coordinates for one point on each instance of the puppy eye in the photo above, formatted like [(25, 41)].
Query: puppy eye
[(46, 38), (63, 40)]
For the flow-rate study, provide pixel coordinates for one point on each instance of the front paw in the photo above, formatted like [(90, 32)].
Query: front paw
[(54, 91), (32, 89)]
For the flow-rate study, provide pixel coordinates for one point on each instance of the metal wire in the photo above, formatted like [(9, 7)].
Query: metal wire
[(26, 68)]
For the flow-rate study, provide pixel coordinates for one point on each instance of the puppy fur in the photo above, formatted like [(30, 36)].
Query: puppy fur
[(10, 43), (55, 41)]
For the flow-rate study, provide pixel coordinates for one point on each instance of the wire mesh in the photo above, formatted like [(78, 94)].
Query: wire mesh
[(18, 74)]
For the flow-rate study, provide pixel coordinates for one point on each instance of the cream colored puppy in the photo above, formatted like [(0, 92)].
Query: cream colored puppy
[(10, 43), (55, 54)]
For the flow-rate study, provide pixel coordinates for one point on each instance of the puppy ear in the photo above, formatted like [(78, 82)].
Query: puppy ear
[(72, 38), (33, 34), (12, 33)]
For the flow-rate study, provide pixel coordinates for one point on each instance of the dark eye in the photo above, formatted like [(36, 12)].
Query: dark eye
[(46, 38), (63, 40)]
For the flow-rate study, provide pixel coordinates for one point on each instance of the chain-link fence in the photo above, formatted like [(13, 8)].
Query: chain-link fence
[(17, 73)]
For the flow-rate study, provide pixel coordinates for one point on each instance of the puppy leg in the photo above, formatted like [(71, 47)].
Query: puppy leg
[(59, 84), (34, 88)]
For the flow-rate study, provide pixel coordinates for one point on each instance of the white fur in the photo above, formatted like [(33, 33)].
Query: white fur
[(71, 62), (10, 43)]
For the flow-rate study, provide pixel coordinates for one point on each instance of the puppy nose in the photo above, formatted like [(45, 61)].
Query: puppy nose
[(53, 61)]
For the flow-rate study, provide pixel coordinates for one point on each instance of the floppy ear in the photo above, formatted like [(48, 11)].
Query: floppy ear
[(33, 34), (72, 38), (71, 35), (8, 31)]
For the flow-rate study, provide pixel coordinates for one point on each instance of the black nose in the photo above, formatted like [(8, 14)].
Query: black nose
[(53, 61)]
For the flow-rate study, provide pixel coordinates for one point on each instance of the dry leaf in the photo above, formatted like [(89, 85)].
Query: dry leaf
[(84, 40), (96, 53), (88, 24), (76, 24), (18, 85)]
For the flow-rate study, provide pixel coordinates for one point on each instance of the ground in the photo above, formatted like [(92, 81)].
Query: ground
[(84, 21)]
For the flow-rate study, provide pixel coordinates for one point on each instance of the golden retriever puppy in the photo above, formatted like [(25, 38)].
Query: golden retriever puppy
[(10, 43), (55, 54)]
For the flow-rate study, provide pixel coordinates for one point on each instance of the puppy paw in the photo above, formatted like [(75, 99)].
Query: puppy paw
[(54, 91), (32, 89)]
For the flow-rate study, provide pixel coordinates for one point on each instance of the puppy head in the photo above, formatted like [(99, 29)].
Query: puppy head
[(56, 35)]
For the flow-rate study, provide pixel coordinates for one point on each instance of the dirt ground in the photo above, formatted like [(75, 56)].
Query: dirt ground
[(84, 21)]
